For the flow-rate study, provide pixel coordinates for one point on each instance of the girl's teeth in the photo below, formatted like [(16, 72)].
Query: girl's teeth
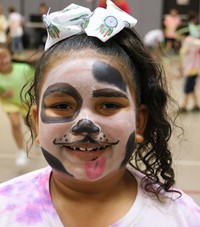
[(87, 149), (82, 149)]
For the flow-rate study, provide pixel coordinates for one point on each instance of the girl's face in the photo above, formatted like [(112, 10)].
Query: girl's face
[(86, 117)]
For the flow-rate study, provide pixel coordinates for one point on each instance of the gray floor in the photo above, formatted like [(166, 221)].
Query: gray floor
[(186, 152)]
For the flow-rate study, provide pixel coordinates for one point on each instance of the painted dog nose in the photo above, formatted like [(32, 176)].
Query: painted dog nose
[(85, 126)]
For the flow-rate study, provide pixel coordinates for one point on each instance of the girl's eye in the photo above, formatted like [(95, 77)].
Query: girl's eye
[(108, 109), (61, 106), (110, 106), (60, 110)]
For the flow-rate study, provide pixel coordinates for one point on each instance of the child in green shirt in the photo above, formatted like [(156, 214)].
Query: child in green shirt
[(13, 77)]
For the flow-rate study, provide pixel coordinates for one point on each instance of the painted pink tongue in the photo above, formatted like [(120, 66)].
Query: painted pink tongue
[(95, 169)]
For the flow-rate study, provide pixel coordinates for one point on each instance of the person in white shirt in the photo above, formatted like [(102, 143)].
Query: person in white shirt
[(15, 21), (190, 68), (153, 40), (3, 26)]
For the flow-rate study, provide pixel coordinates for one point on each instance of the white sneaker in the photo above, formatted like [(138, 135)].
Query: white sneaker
[(21, 158)]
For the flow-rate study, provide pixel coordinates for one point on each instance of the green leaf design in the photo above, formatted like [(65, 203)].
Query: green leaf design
[(53, 31)]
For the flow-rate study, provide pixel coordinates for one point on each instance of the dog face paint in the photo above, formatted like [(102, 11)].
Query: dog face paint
[(107, 74), (86, 121)]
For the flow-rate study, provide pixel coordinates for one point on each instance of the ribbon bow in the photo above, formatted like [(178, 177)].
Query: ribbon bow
[(74, 19)]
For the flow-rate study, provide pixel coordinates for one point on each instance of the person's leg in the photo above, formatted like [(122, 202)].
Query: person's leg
[(186, 95), (169, 44), (189, 87), (195, 107), (176, 46), (183, 108), (16, 126), (18, 45), (13, 45), (194, 96)]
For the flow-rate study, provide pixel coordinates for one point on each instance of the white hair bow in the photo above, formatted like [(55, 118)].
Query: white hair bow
[(74, 19)]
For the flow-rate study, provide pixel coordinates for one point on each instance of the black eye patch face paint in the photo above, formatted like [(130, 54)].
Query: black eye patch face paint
[(129, 149), (54, 162), (63, 101), (106, 73)]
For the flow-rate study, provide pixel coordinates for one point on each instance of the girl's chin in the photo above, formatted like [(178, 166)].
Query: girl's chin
[(90, 169)]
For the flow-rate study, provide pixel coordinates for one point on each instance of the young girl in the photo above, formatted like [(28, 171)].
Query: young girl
[(12, 78), (97, 106)]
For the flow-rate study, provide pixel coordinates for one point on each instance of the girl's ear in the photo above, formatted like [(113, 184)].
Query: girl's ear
[(34, 114), (141, 121)]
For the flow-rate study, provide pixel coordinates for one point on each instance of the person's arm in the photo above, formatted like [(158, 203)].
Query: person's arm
[(6, 94), (4, 24)]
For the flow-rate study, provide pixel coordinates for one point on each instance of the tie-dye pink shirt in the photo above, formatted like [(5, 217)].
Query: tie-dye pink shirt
[(26, 202)]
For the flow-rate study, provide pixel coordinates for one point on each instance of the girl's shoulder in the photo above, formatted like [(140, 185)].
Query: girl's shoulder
[(178, 208), (14, 186), (23, 191), (26, 201)]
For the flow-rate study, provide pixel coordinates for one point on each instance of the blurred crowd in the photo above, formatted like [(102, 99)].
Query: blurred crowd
[(181, 38), (12, 29)]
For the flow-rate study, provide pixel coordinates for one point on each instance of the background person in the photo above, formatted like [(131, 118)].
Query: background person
[(12, 78), (154, 40), (3, 26), (16, 31), (172, 22), (194, 27), (190, 67), (41, 33)]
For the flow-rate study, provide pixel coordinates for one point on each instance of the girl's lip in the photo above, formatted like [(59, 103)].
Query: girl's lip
[(86, 154), (84, 143)]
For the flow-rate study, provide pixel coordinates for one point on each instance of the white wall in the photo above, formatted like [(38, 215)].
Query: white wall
[(148, 13)]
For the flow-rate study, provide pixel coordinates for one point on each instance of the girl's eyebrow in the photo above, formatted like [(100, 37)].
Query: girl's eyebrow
[(61, 89), (57, 93), (108, 93)]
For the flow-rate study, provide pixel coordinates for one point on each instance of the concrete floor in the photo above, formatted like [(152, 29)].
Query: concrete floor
[(186, 153)]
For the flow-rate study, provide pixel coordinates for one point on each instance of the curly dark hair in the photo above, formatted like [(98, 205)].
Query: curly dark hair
[(152, 157)]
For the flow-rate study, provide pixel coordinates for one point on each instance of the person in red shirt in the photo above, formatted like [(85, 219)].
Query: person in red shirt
[(122, 4)]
